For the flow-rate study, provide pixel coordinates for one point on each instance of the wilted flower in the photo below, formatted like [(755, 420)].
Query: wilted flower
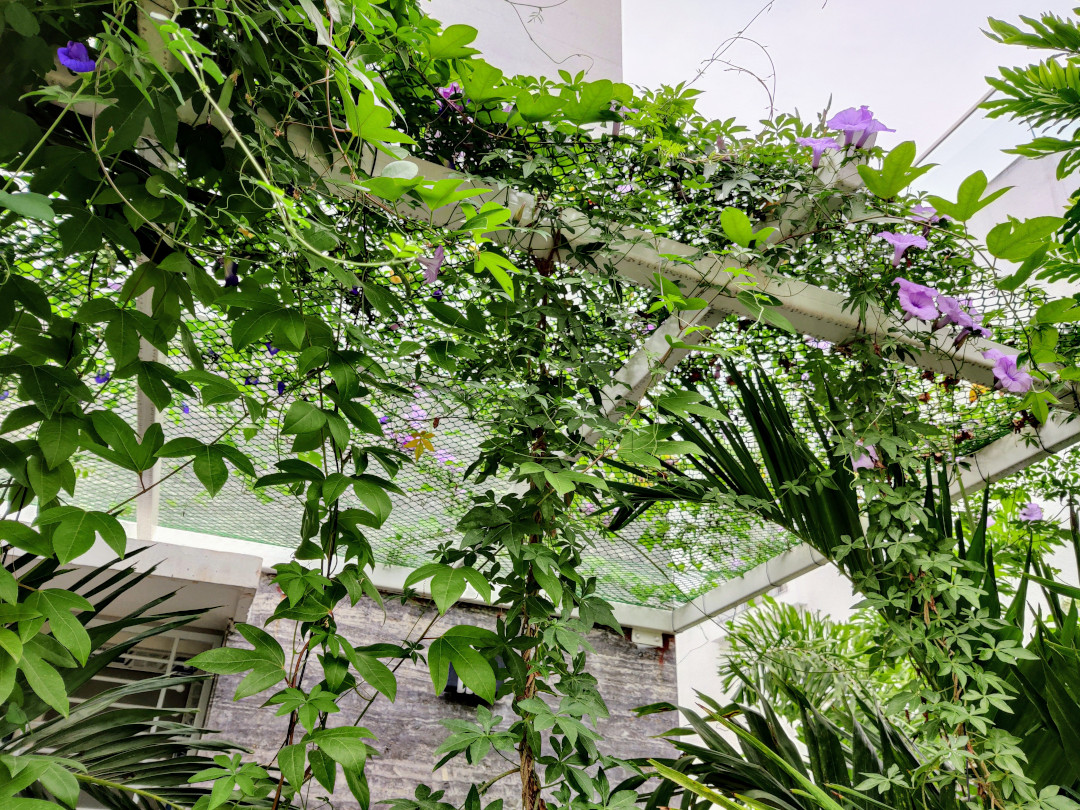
[(437, 294), (1007, 374), (355, 292), (432, 265), (4, 395), (1031, 512), (819, 145), (76, 58), (901, 242), (231, 277), (917, 300), (271, 348), (867, 458), (281, 387), (251, 379), (185, 407), (394, 327), (857, 125)]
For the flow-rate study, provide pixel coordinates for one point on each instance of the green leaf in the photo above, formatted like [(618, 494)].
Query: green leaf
[(28, 204), (303, 417), (896, 172), (22, 536), (291, 761), (969, 199), (447, 586), (450, 44), (56, 605), (58, 438), (1015, 241), (454, 647), (21, 19), (45, 681), (344, 745), (500, 267), (209, 467), (376, 673)]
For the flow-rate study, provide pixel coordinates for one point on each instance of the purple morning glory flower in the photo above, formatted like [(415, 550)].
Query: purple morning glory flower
[(925, 213), (857, 125), (432, 265), (251, 379), (280, 387), (917, 300), (1007, 374), (867, 458), (4, 395), (76, 58), (437, 294), (901, 242), (270, 348), (952, 313), (101, 379), (231, 277), (1031, 512), (819, 145), (383, 420), (448, 92)]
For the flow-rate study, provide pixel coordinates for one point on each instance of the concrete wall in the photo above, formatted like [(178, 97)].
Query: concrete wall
[(409, 730), (574, 35)]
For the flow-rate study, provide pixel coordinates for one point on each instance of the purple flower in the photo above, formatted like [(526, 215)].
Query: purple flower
[(867, 458), (437, 294), (819, 145), (508, 108), (101, 379), (901, 242), (4, 395), (76, 58), (281, 387), (251, 379), (446, 93), (432, 265), (383, 420), (417, 417), (231, 278), (444, 456), (952, 313), (270, 348), (1007, 374), (394, 327), (115, 286), (185, 407), (824, 345), (624, 188), (1031, 512), (925, 213), (355, 292), (857, 125), (916, 300)]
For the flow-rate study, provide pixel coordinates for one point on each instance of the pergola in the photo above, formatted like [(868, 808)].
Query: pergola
[(637, 256)]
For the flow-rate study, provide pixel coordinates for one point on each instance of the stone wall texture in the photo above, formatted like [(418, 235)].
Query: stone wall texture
[(409, 730)]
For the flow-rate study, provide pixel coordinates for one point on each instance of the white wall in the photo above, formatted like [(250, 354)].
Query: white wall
[(575, 35), (699, 648)]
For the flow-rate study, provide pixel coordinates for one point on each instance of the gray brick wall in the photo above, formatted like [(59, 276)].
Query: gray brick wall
[(409, 730)]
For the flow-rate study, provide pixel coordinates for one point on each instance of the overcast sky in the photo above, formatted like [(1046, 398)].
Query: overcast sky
[(918, 64)]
